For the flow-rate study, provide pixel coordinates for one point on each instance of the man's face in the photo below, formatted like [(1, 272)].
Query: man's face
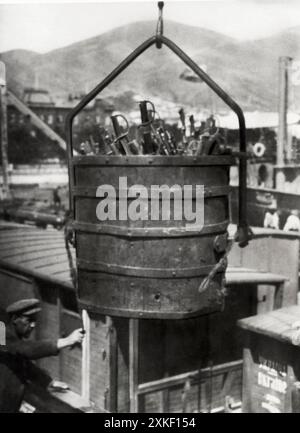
[(24, 325)]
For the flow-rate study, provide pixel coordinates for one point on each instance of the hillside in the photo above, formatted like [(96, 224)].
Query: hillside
[(247, 71)]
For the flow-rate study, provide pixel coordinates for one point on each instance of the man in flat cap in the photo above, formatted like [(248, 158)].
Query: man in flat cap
[(16, 368)]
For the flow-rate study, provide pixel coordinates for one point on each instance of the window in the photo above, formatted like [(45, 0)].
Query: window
[(50, 119)]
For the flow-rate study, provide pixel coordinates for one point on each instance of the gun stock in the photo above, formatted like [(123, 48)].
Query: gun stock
[(192, 125), (146, 125)]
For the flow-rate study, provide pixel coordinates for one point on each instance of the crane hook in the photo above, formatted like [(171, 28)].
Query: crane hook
[(160, 25)]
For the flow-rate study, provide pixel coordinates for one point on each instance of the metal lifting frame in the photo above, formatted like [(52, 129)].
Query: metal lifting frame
[(243, 232)]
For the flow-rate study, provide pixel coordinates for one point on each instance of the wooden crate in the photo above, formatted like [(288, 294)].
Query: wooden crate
[(271, 361)]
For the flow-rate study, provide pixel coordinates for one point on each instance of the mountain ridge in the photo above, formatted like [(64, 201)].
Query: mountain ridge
[(247, 70)]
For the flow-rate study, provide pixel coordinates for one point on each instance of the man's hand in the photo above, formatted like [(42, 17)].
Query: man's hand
[(58, 386), (75, 337)]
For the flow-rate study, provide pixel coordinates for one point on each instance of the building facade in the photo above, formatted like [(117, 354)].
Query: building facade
[(52, 111)]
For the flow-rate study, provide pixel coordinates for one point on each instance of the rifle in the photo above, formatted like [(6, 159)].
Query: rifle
[(194, 132), (129, 147), (207, 143), (109, 144), (183, 128), (163, 146), (146, 127), (192, 125), (164, 140), (210, 124), (96, 150), (213, 143), (171, 143)]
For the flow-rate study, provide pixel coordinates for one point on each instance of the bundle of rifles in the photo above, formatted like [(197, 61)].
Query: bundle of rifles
[(156, 139)]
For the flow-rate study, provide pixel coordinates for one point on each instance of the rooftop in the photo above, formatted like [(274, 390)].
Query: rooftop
[(42, 254), (37, 97)]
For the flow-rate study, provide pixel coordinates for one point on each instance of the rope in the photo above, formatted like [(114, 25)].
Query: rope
[(69, 236), (210, 365), (220, 266)]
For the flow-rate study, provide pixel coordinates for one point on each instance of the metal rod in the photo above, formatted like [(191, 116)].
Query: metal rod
[(133, 364), (282, 125), (4, 141)]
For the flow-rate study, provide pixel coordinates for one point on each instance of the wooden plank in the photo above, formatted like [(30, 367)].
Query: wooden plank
[(122, 329), (290, 379), (289, 250), (247, 371), (278, 296), (85, 365), (70, 313), (180, 379), (295, 398), (113, 366), (186, 397), (278, 324), (133, 364), (208, 388), (227, 388), (164, 401), (99, 361), (265, 298), (71, 360), (227, 384)]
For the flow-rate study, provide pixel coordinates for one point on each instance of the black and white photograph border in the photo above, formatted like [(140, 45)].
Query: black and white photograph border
[(150, 208)]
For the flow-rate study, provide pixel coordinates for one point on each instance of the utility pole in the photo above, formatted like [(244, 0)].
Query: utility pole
[(3, 131), (282, 139)]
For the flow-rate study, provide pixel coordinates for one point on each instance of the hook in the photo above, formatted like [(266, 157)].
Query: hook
[(160, 24)]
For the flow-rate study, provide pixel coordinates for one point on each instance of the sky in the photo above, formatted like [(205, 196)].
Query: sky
[(46, 25)]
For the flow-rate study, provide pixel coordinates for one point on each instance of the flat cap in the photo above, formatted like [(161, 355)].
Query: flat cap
[(27, 307)]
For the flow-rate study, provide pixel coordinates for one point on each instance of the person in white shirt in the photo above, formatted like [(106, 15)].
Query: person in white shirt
[(292, 222), (272, 219)]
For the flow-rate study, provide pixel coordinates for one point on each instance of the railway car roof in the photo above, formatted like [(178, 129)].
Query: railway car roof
[(35, 252), (282, 324), (41, 254)]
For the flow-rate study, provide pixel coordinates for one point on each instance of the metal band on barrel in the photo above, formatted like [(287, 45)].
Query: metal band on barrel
[(163, 232), (144, 272), (137, 160), (209, 191)]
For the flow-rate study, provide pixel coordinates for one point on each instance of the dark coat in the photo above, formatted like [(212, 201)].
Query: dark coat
[(16, 368)]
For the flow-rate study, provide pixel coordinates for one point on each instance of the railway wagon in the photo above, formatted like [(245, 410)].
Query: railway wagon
[(151, 365)]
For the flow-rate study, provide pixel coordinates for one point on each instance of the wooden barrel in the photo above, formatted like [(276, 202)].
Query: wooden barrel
[(150, 268)]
